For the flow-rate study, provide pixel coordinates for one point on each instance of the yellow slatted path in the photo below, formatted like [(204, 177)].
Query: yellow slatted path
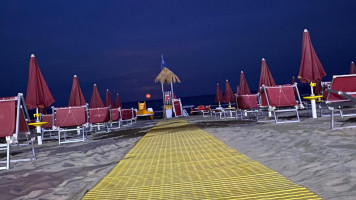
[(177, 160)]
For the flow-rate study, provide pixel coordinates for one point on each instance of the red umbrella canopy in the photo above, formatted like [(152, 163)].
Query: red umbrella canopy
[(352, 68), (219, 95), (118, 103), (310, 69), (38, 94), (108, 99), (266, 76), (76, 95), (229, 95), (243, 87), (96, 101)]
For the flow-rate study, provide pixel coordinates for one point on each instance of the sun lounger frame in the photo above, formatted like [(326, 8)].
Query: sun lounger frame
[(284, 108), (129, 120), (113, 122), (13, 139), (80, 128), (105, 123), (347, 103)]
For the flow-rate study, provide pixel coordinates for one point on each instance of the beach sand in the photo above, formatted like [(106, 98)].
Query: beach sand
[(308, 153)]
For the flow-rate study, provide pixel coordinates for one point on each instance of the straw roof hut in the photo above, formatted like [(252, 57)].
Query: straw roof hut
[(167, 76)]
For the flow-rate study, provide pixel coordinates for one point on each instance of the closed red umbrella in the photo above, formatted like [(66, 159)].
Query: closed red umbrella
[(76, 95), (310, 69), (266, 76), (118, 103), (108, 99), (243, 87), (38, 94), (352, 68), (96, 101), (229, 95), (219, 95)]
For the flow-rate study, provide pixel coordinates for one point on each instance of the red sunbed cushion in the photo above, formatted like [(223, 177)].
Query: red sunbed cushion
[(126, 114), (246, 102), (99, 115), (70, 116), (7, 118), (281, 96), (47, 118), (345, 84), (115, 114)]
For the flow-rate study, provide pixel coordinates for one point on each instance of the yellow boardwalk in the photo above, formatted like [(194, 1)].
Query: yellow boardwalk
[(177, 160)]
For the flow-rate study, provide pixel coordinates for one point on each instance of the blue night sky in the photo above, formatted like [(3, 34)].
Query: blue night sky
[(118, 44)]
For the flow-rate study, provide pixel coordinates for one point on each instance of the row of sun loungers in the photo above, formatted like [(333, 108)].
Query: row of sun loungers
[(339, 96), (67, 124)]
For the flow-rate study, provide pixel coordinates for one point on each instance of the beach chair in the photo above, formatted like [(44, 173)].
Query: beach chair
[(14, 130), (100, 117), (49, 127), (127, 115), (342, 97), (248, 104), (207, 112), (72, 120), (177, 107), (283, 98), (115, 118)]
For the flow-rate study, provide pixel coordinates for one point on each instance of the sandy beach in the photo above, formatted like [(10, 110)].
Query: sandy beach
[(308, 153)]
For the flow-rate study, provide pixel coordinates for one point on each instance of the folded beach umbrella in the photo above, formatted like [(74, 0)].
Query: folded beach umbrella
[(229, 95), (352, 68), (108, 99), (76, 95), (219, 95), (38, 94), (96, 101), (118, 103), (266, 76), (243, 87), (310, 70)]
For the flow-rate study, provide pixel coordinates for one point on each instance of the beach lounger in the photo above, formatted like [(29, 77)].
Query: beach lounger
[(73, 120), (14, 130), (207, 112), (248, 104), (115, 118), (283, 98), (342, 97), (127, 115), (49, 127), (100, 118), (143, 111), (177, 107)]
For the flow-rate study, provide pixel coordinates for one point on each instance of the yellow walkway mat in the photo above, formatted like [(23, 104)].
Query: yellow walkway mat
[(177, 160)]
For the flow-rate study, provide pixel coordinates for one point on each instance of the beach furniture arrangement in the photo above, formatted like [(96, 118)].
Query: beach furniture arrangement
[(71, 122), (14, 129), (342, 97), (282, 98)]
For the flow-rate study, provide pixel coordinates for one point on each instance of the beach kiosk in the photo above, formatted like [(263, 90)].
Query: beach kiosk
[(166, 76)]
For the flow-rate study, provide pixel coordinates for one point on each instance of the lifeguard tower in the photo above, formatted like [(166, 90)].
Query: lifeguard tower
[(171, 105)]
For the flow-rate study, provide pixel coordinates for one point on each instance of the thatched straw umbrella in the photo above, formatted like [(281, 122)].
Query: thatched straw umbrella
[(167, 76)]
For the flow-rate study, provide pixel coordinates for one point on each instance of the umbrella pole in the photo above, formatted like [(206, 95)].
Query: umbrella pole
[(172, 90), (313, 104), (163, 108)]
